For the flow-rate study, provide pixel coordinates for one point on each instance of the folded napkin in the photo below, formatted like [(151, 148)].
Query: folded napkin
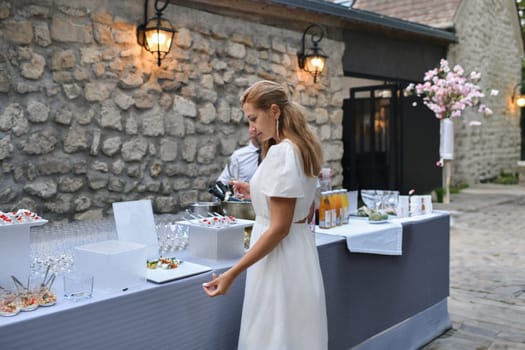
[(364, 237)]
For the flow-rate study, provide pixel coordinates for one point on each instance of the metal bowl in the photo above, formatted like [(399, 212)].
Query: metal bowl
[(241, 210), (203, 208)]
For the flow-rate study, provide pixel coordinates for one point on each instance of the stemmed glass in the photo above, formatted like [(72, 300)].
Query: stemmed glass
[(163, 237), (379, 200), (233, 168), (172, 237), (53, 244), (47, 248), (391, 200), (369, 198), (182, 236)]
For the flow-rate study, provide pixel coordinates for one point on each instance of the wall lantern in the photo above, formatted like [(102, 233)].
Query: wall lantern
[(313, 59), (518, 98), (156, 33)]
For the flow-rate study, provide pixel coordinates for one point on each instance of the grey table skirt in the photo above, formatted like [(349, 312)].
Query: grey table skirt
[(371, 300)]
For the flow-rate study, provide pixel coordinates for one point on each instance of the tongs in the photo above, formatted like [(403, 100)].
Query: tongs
[(220, 191), (216, 191)]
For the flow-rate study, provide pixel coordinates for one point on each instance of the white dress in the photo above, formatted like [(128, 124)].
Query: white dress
[(284, 303)]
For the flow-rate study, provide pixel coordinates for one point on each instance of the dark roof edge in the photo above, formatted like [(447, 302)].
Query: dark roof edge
[(371, 18)]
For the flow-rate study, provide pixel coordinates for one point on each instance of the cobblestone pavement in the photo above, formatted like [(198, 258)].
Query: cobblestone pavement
[(487, 269)]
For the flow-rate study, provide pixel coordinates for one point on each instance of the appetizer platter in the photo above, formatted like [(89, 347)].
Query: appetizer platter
[(372, 216), (20, 216), (28, 300), (46, 297), (377, 218), (163, 263), (213, 220), (170, 269), (26, 297), (9, 305)]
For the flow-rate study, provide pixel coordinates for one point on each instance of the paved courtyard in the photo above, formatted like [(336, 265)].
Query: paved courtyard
[(487, 269)]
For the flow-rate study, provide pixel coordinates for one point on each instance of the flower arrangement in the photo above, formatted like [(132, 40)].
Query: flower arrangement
[(447, 92)]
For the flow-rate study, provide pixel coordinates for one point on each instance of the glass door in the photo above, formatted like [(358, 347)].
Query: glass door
[(371, 136)]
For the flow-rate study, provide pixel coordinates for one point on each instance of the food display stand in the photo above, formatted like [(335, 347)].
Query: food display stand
[(373, 302)]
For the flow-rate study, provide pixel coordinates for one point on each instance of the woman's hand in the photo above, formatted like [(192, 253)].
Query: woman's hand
[(219, 285), (241, 189), (281, 212)]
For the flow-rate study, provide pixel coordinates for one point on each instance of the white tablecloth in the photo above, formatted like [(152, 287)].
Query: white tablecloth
[(364, 237), (393, 291)]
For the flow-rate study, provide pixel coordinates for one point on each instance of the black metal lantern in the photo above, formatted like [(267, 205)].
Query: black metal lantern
[(313, 59), (156, 34)]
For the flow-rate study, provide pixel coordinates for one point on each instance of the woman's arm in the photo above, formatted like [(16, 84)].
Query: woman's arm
[(281, 213)]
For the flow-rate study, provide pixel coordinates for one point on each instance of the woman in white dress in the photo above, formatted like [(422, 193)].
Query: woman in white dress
[(284, 303)]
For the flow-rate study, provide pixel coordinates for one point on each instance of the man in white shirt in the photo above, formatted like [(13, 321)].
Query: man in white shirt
[(243, 162)]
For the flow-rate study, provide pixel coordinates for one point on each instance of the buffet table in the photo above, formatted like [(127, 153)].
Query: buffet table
[(373, 302)]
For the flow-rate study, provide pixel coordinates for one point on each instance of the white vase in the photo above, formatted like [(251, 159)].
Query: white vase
[(446, 141)]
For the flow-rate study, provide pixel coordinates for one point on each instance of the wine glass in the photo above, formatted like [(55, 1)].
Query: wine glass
[(182, 236), (369, 198), (391, 199)]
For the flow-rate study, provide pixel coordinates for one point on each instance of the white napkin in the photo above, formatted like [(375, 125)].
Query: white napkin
[(363, 237)]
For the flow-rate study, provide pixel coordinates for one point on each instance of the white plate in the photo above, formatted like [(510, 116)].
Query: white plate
[(377, 221), (185, 269)]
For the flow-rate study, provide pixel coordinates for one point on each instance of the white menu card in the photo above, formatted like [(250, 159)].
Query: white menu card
[(135, 223)]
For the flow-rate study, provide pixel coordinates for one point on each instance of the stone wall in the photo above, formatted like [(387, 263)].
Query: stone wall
[(87, 118), (491, 44)]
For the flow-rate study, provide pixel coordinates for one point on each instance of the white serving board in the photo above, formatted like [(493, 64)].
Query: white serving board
[(185, 269)]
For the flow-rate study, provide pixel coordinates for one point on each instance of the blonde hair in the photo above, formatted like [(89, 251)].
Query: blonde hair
[(292, 123)]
